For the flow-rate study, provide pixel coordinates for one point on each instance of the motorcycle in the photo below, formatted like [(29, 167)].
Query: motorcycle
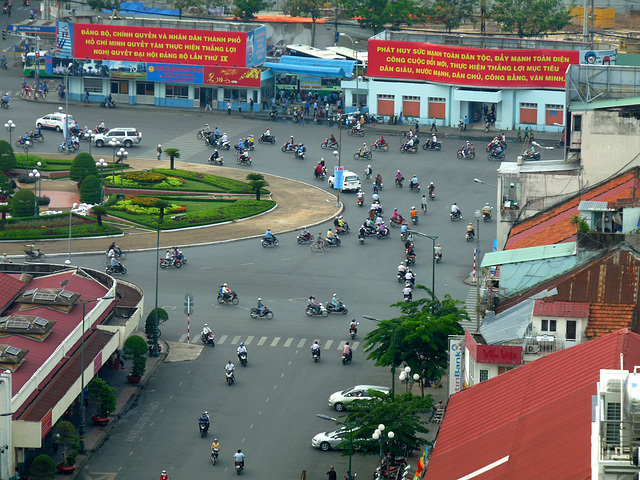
[(401, 276), (455, 215), (232, 298), (438, 257), (405, 148), (204, 429), (243, 358), (333, 241), (495, 156), (327, 144), (269, 241), (360, 155), (470, 236), (492, 145), (208, 339), (310, 311), (214, 455), (32, 253), (322, 175), (380, 146), (360, 201), (117, 268), (300, 153), (344, 228), (287, 147), (3, 102), (399, 182), (415, 219), (267, 138), (409, 260), (355, 132), (244, 161), (460, 125), (432, 194), (239, 151), (164, 263), (429, 145), (342, 308), (353, 332), (361, 238), (531, 156), (202, 133), (486, 216), (71, 148), (108, 104), (383, 233), (230, 377), (316, 355), (216, 161), (239, 467), (255, 313), (308, 238), (37, 136), (347, 357), (487, 126), (414, 187), (396, 221), (273, 114), (461, 154)]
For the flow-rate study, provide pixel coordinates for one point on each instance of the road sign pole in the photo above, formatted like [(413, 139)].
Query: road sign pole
[(188, 310)]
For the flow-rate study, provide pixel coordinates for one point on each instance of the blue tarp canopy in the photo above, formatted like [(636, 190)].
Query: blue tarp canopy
[(313, 67), (140, 9)]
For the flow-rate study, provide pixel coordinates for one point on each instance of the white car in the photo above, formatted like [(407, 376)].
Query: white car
[(338, 400), (336, 440), (55, 120), (351, 181), (126, 137)]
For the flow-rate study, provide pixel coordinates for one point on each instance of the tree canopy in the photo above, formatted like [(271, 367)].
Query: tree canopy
[(451, 13), (376, 14), (530, 18), (246, 9), (7, 157), (257, 181), (306, 8)]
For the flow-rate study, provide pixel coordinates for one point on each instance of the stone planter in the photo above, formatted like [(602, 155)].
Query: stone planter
[(101, 421), (133, 379), (66, 469)]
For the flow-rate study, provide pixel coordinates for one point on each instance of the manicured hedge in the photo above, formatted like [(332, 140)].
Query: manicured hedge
[(224, 184), (54, 226)]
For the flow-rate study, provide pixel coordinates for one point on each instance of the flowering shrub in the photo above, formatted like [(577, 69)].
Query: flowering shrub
[(168, 183), (128, 205), (145, 177)]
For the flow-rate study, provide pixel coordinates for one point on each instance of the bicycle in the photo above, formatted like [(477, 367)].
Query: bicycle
[(320, 246)]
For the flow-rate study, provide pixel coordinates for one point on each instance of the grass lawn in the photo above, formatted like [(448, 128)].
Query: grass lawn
[(55, 226), (192, 204)]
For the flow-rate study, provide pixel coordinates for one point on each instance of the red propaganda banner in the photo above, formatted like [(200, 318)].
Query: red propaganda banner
[(46, 423), (482, 67), (159, 45), (240, 77)]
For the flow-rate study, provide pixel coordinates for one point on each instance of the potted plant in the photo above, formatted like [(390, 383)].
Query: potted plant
[(105, 396), (135, 350), (42, 468), (69, 441)]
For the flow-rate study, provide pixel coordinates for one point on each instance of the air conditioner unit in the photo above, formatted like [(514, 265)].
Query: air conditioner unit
[(532, 349)]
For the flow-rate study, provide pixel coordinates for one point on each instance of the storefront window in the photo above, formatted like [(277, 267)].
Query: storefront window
[(177, 91), (235, 94), (120, 86), (94, 85), (144, 88)]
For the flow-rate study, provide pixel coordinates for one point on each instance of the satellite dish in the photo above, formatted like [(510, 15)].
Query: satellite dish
[(64, 283)]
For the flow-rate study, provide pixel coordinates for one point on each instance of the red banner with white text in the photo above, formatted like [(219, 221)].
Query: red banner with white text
[(159, 45), (480, 67), (240, 77)]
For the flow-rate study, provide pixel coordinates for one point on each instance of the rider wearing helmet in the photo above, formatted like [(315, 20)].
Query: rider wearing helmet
[(260, 306), (241, 349), (335, 301), (363, 150), (206, 330), (470, 230)]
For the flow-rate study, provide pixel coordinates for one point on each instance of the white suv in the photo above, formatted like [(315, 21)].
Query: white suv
[(55, 120), (126, 137)]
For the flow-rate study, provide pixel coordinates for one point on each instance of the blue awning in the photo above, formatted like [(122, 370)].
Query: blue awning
[(313, 67)]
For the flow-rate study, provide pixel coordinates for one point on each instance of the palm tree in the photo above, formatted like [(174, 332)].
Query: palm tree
[(257, 181), (99, 211), (172, 153)]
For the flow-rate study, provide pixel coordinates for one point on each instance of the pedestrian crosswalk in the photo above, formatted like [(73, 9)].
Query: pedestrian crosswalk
[(190, 148), (284, 342)]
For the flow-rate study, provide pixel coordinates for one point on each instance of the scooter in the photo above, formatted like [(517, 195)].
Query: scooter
[(239, 467), (470, 236), (405, 148), (414, 187), (380, 146), (432, 194), (438, 257), (204, 429), (360, 201), (108, 104), (361, 238), (455, 215), (429, 145), (164, 263), (460, 125), (273, 114), (255, 313), (383, 233), (347, 357), (532, 156), (415, 219), (401, 276), (243, 358), (232, 298), (320, 175), (117, 268), (244, 160), (269, 242), (461, 154), (216, 161), (399, 181), (300, 153), (267, 138), (486, 216), (230, 378), (315, 354), (308, 238), (214, 455), (310, 311), (396, 221), (342, 308), (287, 147), (65, 147), (495, 156), (353, 332), (327, 144), (208, 339), (360, 155)]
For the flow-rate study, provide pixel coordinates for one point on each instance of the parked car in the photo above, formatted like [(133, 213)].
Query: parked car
[(336, 440), (126, 136), (55, 121), (351, 181), (339, 400)]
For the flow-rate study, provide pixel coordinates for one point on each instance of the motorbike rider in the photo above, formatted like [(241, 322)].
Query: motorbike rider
[(402, 269), (396, 216), (407, 292), (314, 304), (455, 209), (437, 251), (239, 458), (532, 151), (414, 181), (383, 229), (498, 150), (399, 177), (353, 326), (217, 133), (411, 254), (470, 230), (241, 349), (434, 140), (268, 235), (206, 330), (347, 350), (301, 149), (363, 151), (486, 210), (115, 264), (261, 306), (423, 203), (380, 141), (335, 301), (215, 446), (225, 291), (378, 180), (101, 127), (432, 188), (341, 228), (315, 348), (332, 140), (224, 138), (360, 195), (214, 156), (164, 475), (403, 228), (229, 367), (410, 277), (318, 170), (290, 143), (306, 234), (414, 213), (357, 126), (5, 99), (204, 419), (330, 236), (368, 171), (240, 146), (362, 233)]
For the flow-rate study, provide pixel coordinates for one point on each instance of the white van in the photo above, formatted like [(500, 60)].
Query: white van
[(351, 181)]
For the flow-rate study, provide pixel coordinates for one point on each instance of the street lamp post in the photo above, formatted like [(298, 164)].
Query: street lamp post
[(378, 435), (122, 156), (433, 239), (92, 135), (35, 175), (393, 353), (113, 143), (477, 214), (10, 127), (155, 351), (68, 260), (27, 145), (81, 427), (66, 106), (406, 379), (336, 154), (101, 164), (350, 427), (355, 54)]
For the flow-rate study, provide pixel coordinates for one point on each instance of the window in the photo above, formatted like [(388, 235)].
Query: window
[(120, 86), (484, 375), (361, 98), (144, 88), (529, 113), (235, 94), (554, 114), (411, 106), (571, 329), (386, 104), (502, 370), (548, 326), (511, 191), (577, 123), (437, 107), (94, 85), (177, 91)]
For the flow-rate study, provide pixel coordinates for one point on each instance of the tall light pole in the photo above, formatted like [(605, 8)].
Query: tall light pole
[(66, 106), (81, 427), (477, 214), (433, 239), (406, 379), (27, 145), (378, 435), (35, 175), (355, 54), (336, 153), (122, 156), (10, 127), (155, 351), (348, 426), (101, 164), (392, 346), (68, 260)]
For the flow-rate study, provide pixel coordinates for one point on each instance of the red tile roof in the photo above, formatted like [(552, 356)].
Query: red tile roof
[(561, 309), (9, 289), (554, 224), (606, 318), (531, 414)]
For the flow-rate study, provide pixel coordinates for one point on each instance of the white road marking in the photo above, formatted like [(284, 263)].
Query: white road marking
[(301, 343), (249, 340), (275, 341), (327, 345), (354, 345), (222, 339), (288, 342), (261, 341), (235, 340)]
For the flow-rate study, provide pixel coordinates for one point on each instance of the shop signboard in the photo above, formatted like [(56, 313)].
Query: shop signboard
[(598, 57), (256, 46), (162, 72), (456, 363), (239, 77)]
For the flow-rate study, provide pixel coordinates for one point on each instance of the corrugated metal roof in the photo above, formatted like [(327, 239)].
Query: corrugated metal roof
[(539, 415), (509, 325), (593, 206), (598, 104), (528, 254), (9, 289), (562, 309)]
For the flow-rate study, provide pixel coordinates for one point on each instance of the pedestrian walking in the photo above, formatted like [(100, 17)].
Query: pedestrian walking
[(306, 107), (417, 128), (159, 151), (332, 474), (273, 102), (423, 203), (433, 125), (209, 105), (251, 105), (229, 108), (302, 119), (264, 103), (239, 107), (86, 95), (466, 120), (23, 57)]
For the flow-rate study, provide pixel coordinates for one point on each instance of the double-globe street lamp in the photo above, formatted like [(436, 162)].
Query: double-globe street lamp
[(10, 127), (378, 435), (68, 260), (36, 177), (406, 379), (113, 143), (67, 69), (122, 156), (101, 164)]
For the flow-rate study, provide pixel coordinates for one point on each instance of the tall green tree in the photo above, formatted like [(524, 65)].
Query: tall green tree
[(376, 14), (172, 153), (451, 13), (99, 211), (418, 337), (7, 157), (5, 208), (257, 181), (306, 8), (530, 18), (246, 9), (100, 5), (401, 415)]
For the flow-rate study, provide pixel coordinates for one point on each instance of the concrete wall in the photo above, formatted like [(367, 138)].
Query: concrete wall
[(610, 145)]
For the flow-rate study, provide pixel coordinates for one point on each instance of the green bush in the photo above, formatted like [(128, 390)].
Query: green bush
[(82, 166), (145, 177), (223, 184), (135, 349), (54, 226), (145, 201), (7, 157), (104, 395), (127, 205), (91, 190), (21, 162), (69, 441), (163, 316), (43, 468), (22, 204), (44, 200)]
